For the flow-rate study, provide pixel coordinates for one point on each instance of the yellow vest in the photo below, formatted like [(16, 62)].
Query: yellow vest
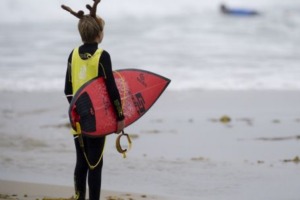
[(84, 70)]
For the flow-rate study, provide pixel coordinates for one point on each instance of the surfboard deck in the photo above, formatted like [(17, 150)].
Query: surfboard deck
[(93, 110)]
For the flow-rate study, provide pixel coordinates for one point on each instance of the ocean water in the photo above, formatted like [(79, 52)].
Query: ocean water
[(189, 41)]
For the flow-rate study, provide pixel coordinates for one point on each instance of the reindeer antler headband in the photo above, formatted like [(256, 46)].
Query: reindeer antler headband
[(80, 13)]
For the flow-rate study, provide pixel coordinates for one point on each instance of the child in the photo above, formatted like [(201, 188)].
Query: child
[(84, 63)]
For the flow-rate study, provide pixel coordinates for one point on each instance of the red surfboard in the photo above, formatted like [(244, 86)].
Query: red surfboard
[(92, 109)]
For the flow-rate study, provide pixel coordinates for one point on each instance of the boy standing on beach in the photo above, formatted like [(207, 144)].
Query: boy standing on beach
[(85, 63)]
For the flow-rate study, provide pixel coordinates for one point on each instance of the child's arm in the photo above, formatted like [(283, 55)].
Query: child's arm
[(68, 81), (112, 89)]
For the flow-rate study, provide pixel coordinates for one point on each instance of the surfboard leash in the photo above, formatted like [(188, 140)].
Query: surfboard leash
[(123, 102), (118, 143), (81, 143), (123, 99)]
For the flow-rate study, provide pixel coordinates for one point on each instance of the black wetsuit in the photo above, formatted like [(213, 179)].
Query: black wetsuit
[(92, 146)]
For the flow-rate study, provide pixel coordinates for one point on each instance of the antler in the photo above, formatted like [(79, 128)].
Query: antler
[(93, 9), (78, 14)]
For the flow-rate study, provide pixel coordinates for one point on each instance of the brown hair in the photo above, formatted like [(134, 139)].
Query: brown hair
[(89, 28)]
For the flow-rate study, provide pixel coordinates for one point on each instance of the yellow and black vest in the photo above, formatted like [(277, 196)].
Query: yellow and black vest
[(84, 70)]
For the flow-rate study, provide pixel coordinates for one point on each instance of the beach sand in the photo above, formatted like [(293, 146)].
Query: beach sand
[(13, 190), (190, 145)]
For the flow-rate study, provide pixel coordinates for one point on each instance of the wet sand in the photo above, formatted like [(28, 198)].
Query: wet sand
[(12, 190), (190, 145)]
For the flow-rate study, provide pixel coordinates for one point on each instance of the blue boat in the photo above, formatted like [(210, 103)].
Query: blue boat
[(237, 11)]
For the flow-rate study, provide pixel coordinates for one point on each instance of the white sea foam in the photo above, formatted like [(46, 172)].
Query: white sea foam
[(189, 42)]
